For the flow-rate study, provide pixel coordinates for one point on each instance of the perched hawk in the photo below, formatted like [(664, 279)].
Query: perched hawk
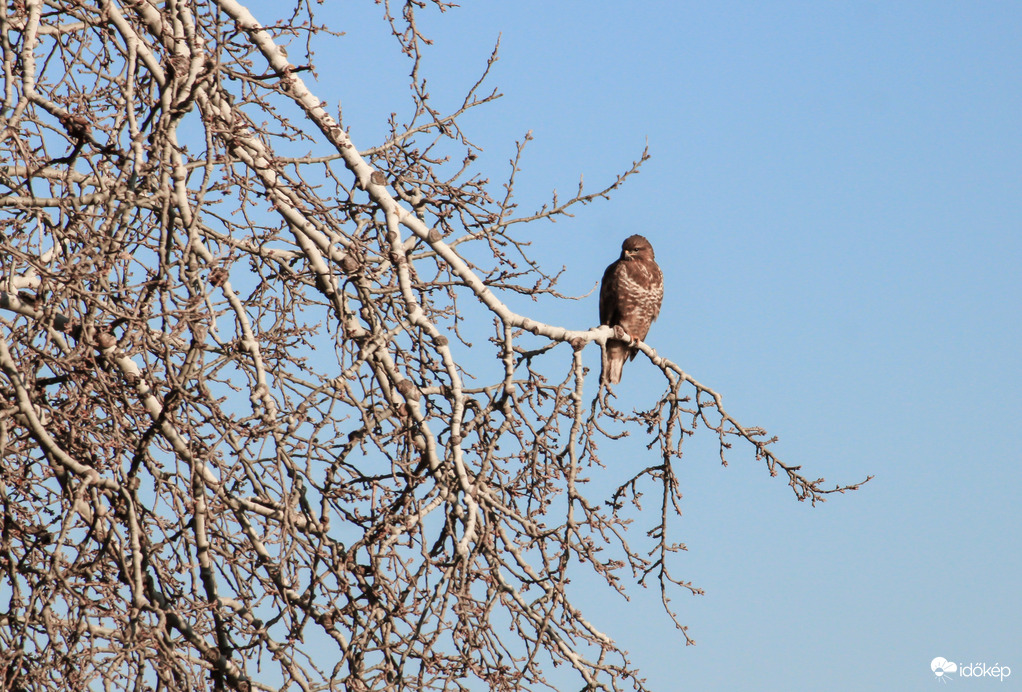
[(630, 297)]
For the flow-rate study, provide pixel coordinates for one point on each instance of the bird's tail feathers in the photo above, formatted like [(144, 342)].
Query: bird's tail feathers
[(614, 357)]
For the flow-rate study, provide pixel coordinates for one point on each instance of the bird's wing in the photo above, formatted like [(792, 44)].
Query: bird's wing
[(608, 295)]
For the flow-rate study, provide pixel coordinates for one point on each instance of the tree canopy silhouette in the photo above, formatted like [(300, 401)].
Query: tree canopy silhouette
[(241, 445)]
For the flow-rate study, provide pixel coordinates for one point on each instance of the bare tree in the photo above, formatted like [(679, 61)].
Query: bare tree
[(241, 444)]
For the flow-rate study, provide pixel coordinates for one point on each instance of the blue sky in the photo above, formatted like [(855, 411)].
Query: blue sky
[(835, 196)]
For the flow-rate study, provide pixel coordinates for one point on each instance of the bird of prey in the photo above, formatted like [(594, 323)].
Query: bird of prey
[(630, 297)]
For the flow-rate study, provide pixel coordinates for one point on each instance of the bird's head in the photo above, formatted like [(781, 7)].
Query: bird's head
[(636, 247)]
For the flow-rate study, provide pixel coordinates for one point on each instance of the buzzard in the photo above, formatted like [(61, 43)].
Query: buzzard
[(630, 297)]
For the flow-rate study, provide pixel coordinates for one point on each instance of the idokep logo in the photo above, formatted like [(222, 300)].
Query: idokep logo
[(943, 668)]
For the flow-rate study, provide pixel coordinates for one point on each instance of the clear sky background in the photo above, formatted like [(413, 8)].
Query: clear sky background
[(835, 196)]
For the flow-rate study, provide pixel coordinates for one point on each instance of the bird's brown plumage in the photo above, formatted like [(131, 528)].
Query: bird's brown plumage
[(630, 297)]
